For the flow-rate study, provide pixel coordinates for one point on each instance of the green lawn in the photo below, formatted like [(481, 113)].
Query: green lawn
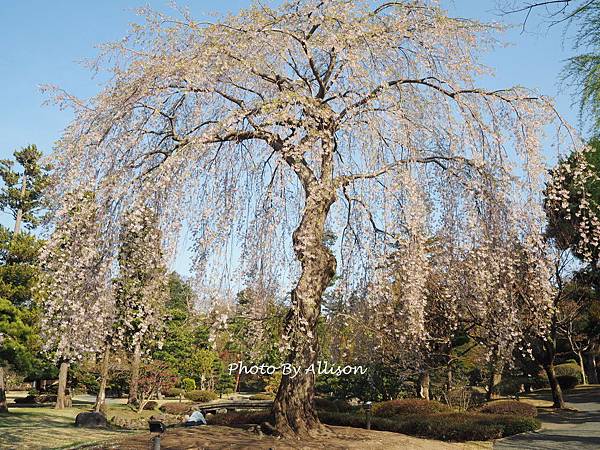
[(47, 428)]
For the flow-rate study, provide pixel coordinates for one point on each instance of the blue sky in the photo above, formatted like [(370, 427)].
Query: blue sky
[(42, 41)]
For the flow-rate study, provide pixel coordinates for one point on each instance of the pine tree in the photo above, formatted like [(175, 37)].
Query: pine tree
[(16, 337), (20, 197), (22, 191)]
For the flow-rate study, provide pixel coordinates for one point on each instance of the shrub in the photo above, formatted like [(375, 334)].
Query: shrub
[(510, 386), (538, 381), (567, 382), (462, 398), (262, 396), (352, 420), (444, 426), (36, 399), (173, 392), (451, 427), (151, 405), (509, 407), (201, 396), (568, 369), (177, 409), (409, 406), (327, 404), (188, 384), (129, 423), (233, 419), (517, 424)]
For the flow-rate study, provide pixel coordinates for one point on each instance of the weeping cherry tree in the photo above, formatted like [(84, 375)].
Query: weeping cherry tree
[(261, 130)]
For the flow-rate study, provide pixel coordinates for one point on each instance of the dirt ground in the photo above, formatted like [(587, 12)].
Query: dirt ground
[(217, 437)]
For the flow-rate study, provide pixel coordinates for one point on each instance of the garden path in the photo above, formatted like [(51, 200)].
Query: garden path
[(575, 429)]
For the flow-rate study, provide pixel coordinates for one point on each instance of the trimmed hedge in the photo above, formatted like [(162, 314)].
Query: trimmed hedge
[(510, 386), (409, 406), (36, 399), (457, 427), (568, 369), (235, 419), (177, 409), (353, 420), (151, 405), (173, 392), (201, 396), (509, 407), (567, 382), (327, 404), (262, 396)]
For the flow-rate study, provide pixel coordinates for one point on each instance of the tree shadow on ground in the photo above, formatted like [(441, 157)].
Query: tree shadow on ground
[(551, 415), (582, 394), (549, 440)]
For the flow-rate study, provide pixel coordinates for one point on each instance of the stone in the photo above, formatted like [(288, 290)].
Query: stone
[(91, 420)]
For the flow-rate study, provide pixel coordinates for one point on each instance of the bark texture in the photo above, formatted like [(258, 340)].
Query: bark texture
[(294, 409), (591, 368), (582, 368), (423, 385), (19, 217), (61, 400), (494, 379), (548, 357), (132, 398), (557, 397), (3, 402), (101, 396)]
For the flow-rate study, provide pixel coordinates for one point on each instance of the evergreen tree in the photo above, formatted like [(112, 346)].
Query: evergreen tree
[(22, 191), (20, 196), (18, 266), (16, 339), (185, 332)]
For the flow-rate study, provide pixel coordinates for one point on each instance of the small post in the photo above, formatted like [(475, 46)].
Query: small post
[(368, 407), (156, 426)]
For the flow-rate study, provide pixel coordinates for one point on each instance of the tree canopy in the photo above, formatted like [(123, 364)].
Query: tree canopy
[(341, 115)]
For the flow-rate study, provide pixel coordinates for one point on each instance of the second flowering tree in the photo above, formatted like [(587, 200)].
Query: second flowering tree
[(141, 288)]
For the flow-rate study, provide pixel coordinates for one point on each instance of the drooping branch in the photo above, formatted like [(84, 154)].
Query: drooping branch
[(344, 180)]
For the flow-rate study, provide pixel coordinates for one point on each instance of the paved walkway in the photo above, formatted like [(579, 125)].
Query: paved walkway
[(565, 430)]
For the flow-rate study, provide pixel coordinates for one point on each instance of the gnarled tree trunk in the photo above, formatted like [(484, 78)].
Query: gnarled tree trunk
[(63, 371), (132, 398), (294, 409), (101, 396), (3, 402)]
